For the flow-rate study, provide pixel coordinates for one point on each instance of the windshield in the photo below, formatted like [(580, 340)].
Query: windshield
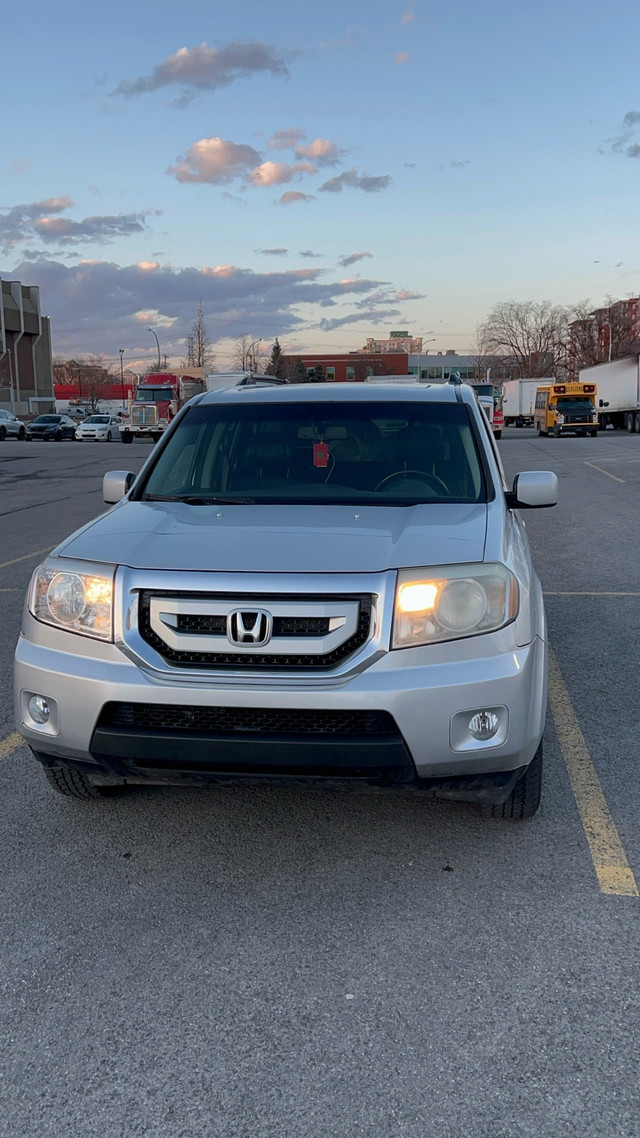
[(153, 394), (575, 403), (362, 453), (46, 419), (95, 419)]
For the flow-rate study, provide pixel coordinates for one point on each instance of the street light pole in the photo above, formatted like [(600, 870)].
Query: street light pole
[(158, 343), (122, 351), (247, 358)]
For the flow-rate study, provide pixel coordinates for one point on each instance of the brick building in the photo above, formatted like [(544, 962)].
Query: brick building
[(340, 367), (608, 333), (26, 367)]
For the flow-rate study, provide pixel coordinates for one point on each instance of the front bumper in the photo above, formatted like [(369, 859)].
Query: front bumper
[(420, 693)]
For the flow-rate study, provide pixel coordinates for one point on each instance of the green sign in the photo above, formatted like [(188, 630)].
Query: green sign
[(392, 335)]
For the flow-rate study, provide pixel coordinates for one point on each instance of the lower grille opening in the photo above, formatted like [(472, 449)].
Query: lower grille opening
[(243, 720)]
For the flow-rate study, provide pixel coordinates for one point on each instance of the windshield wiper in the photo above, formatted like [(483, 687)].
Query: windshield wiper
[(195, 500)]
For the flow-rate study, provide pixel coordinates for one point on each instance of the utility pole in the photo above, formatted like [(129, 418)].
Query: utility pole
[(122, 351)]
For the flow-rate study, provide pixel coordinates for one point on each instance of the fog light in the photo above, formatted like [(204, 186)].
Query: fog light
[(484, 724), (39, 709)]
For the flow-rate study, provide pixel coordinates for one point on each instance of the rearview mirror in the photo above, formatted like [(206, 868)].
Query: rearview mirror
[(533, 489)]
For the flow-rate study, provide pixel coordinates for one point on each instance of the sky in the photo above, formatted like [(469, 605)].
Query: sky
[(320, 173)]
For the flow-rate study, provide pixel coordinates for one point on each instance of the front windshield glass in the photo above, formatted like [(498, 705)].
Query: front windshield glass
[(153, 394), (575, 403), (96, 419), (47, 419), (387, 453)]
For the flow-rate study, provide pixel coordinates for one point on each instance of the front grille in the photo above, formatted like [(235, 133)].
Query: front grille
[(255, 720), (282, 625), (302, 627)]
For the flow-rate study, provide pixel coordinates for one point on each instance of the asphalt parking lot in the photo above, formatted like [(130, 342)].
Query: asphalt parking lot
[(217, 963)]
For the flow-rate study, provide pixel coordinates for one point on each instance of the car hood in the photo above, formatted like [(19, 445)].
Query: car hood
[(281, 539)]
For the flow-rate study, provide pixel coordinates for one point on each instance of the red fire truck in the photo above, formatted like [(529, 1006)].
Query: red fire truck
[(157, 400)]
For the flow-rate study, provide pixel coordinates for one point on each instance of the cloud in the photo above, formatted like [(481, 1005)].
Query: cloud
[(99, 229), (277, 173), (309, 253), (402, 57), (234, 198), (20, 165), (357, 181), (295, 196), (273, 252), (285, 139), (458, 164), (368, 315), (233, 298), (406, 294), (352, 258), (321, 151), (205, 68), (409, 14), (215, 160), (622, 143)]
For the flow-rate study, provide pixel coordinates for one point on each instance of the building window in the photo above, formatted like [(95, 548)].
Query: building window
[(331, 374), (351, 373)]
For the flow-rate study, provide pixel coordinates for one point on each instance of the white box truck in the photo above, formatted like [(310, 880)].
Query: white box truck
[(519, 400), (618, 384)]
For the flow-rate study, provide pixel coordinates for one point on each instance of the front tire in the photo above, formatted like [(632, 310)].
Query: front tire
[(497, 434), (21, 434), (524, 799), (126, 437), (556, 432), (73, 783), (108, 436), (3, 434)]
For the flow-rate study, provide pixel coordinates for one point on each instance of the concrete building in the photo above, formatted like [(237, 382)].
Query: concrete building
[(26, 366), (396, 342), (437, 366)]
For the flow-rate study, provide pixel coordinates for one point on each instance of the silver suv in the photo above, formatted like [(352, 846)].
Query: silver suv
[(302, 582)]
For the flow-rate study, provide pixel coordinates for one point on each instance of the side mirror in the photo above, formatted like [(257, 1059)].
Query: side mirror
[(533, 489), (115, 484)]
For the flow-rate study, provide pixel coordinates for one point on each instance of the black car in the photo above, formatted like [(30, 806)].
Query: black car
[(47, 427)]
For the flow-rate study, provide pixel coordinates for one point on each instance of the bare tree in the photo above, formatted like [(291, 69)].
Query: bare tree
[(248, 355), (531, 335), (199, 350), (92, 377)]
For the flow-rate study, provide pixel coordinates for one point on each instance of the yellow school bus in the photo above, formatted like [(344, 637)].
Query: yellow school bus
[(566, 409)]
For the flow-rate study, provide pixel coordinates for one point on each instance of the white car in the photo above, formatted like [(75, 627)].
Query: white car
[(100, 428)]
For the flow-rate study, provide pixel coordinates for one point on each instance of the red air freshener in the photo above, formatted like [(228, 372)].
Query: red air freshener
[(320, 454)]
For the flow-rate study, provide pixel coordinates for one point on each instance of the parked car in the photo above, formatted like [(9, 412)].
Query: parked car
[(11, 425), (302, 582), (49, 427), (102, 428)]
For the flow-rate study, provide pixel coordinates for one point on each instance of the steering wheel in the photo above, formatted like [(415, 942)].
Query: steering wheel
[(431, 480)]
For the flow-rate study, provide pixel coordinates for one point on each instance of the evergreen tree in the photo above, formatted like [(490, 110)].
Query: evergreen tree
[(276, 366)]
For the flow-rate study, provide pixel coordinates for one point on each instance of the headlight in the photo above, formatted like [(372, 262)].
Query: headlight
[(452, 602), (74, 595)]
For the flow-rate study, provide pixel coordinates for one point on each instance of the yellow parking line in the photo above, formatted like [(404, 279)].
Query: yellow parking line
[(594, 467), (609, 859), (10, 744), (26, 556)]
